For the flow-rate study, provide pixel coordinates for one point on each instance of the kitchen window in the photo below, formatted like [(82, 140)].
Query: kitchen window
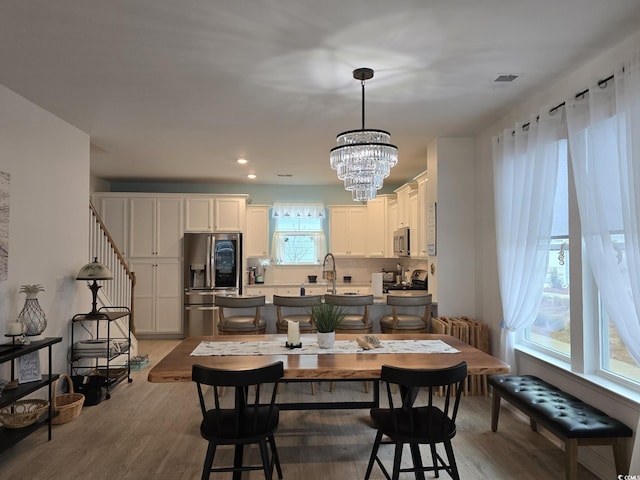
[(299, 237)]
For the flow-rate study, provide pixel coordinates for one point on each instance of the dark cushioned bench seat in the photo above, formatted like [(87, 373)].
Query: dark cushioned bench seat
[(564, 415)]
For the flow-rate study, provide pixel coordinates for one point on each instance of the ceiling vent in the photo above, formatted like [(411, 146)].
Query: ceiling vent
[(506, 78)]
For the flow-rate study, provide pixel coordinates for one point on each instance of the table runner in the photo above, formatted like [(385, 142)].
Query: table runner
[(310, 347)]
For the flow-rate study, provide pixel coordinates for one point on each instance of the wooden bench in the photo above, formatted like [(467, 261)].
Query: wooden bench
[(567, 417)]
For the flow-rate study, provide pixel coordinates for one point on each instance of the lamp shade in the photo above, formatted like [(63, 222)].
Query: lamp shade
[(94, 271)]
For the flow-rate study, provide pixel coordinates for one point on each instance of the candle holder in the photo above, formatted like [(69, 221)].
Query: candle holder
[(291, 346)]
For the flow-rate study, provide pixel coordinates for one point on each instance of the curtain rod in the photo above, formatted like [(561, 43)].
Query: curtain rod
[(601, 83)]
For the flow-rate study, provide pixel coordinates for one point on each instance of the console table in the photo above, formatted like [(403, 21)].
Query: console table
[(10, 352)]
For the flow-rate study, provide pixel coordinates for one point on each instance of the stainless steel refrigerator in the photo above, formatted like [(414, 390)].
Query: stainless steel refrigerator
[(212, 266)]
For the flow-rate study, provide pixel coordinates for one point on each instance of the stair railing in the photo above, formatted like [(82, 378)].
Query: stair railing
[(119, 291)]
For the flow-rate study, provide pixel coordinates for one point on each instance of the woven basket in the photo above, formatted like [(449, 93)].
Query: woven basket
[(23, 413), (67, 405)]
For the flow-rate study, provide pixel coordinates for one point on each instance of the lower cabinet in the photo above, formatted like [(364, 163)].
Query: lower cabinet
[(157, 299), (257, 290)]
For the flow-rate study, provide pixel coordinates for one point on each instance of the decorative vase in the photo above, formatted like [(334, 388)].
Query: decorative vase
[(326, 339), (32, 316)]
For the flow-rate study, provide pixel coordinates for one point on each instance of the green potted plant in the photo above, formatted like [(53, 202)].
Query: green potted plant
[(326, 318)]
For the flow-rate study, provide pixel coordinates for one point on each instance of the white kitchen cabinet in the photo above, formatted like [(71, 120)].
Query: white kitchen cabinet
[(198, 215), (215, 214), (291, 291), (413, 222), (114, 214), (378, 237), (314, 289), (357, 290), (256, 238), (257, 290), (348, 226), (229, 214), (157, 296), (392, 215), (155, 227), (419, 229), (403, 198)]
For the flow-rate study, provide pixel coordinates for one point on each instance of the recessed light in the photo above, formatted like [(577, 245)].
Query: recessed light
[(251, 176), (243, 160)]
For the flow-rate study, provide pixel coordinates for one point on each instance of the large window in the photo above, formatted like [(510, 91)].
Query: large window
[(552, 330), (298, 237)]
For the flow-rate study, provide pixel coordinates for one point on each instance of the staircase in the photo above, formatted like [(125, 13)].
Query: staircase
[(119, 291)]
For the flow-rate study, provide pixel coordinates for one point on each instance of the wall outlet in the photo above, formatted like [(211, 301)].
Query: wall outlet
[(59, 284)]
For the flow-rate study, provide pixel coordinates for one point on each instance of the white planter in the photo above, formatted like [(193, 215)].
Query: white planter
[(326, 340)]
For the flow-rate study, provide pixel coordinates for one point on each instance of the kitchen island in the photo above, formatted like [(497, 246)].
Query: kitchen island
[(268, 312)]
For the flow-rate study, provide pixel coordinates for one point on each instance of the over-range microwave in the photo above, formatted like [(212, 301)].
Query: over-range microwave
[(402, 242)]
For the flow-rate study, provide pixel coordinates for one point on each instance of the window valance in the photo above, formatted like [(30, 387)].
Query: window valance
[(300, 210)]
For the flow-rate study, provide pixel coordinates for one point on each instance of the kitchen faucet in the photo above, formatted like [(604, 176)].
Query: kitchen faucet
[(330, 274)]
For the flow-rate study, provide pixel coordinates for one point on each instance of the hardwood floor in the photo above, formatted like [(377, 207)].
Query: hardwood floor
[(151, 431)]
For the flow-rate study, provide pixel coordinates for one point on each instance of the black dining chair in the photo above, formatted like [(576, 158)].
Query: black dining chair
[(418, 418), (251, 420)]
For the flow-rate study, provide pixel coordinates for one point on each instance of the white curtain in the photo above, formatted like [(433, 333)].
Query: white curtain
[(298, 210), (525, 167), (604, 140)]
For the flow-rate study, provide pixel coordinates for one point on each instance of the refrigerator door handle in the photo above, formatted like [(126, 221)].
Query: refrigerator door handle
[(211, 307), (210, 262)]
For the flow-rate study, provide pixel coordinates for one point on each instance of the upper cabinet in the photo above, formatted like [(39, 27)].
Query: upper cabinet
[(256, 239), (403, 201), (392, 218), (155, 227), (229, 214), (215, 214), (379, 237), (198, 215), (420, 228), (347, 227)]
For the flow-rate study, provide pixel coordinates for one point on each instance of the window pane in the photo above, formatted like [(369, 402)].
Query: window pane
[(552, 327), (615, 358), (298, 240), (299, 248), (289, 224)]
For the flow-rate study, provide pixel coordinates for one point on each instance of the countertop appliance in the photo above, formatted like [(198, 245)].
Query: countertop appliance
[(402, 242), (419, 281), (212, 266)]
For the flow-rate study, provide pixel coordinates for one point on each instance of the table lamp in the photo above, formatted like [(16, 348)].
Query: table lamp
[(94, 271)]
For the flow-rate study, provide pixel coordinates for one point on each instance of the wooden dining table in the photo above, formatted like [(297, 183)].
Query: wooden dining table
[(336, 367)]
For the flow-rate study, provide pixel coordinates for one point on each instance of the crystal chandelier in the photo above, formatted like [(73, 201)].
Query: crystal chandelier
[(363, 158)]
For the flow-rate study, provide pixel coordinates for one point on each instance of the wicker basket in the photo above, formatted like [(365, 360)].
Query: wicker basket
[(67, 405), (23, 413)]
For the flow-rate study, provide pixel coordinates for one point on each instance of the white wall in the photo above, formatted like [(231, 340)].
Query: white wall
[(487, 294), (48, 161), (451, 177)]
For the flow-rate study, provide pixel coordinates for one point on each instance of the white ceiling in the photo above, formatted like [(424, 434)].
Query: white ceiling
[(179, 89)]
